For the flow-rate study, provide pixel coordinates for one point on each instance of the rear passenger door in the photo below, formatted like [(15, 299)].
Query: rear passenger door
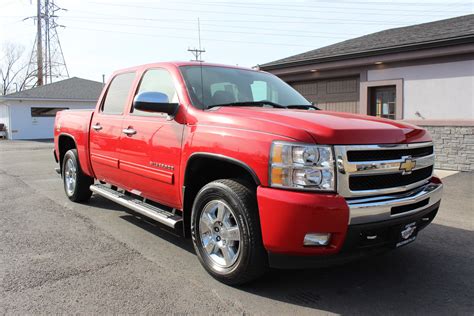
[(106, 129)]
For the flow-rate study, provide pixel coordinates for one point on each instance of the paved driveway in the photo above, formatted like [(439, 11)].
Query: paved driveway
[(61, 257)]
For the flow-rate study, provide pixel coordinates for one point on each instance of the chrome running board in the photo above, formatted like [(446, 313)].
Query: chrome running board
[(167, 218)]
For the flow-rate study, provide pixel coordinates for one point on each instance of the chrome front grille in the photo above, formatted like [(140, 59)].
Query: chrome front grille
[(367, 170)]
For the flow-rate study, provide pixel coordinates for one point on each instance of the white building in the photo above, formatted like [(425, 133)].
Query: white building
[(30, 114)]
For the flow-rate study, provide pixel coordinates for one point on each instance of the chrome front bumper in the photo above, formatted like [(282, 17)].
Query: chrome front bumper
[(380, 208)]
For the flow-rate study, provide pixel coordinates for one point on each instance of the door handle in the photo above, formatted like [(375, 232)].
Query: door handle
[(97, 127), (129, 131)]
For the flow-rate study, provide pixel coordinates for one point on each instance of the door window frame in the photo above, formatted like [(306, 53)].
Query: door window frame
[(137, 88), (127, 101)]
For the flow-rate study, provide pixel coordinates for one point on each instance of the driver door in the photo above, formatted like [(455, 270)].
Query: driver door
[(151, 150)]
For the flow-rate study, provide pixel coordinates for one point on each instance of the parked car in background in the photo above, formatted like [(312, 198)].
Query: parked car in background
[(3, 131), (240, 162)]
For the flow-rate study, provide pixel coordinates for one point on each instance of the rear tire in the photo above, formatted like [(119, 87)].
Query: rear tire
[(226, 232), (76, 183)]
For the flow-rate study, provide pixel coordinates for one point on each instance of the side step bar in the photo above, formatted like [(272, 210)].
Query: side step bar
[(167, 218)]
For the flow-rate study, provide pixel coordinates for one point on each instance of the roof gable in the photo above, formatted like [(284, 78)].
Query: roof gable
[(69, 89)]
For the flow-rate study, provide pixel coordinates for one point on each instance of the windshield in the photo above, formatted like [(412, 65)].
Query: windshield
[(209, 86)]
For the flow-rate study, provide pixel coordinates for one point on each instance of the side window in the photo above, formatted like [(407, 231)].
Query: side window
[(117, 94), (157, 80)]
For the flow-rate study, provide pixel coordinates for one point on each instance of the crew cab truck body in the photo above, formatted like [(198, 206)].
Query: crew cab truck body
[(256, 175)]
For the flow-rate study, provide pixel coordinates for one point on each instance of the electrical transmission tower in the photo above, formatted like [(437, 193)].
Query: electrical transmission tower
[(47, 61)]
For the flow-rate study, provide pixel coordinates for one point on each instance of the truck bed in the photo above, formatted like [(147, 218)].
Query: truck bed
[(76, 124)]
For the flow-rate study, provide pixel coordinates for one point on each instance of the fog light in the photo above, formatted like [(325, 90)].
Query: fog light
[(317, 239)]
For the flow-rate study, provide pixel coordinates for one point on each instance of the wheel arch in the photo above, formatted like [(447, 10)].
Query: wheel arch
[(217, 167), (65, 142)]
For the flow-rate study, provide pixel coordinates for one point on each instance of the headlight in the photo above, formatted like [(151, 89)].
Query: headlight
[(301, 166)]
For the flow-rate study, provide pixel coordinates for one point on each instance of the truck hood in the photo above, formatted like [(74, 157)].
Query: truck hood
[(324, 127)]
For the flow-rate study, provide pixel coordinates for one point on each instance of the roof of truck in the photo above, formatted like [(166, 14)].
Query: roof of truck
[(182, 63)]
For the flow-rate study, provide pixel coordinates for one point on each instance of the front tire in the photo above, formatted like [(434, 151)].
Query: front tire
[(76, 183), (226, 232)]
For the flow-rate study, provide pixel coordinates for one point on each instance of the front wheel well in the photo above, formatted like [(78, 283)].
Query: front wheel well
[(203, 169), (65, 143)]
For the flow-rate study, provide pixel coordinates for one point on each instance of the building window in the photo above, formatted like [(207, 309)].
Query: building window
[(45, 112), (383, 98), (383, 102)]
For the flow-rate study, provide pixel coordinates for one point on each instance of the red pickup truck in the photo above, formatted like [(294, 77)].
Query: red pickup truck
[(255, 174)]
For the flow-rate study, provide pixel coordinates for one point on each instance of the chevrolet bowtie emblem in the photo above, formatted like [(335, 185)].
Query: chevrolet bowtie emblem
[(407, 165)]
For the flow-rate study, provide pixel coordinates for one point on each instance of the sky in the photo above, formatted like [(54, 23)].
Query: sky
[(100, 36)]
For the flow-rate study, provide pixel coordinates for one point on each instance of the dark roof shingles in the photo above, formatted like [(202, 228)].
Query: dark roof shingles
[(403, 36), (69, 89)]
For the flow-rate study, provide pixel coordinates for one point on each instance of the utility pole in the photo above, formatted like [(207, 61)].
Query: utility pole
[(47, 59), (39, 48), (197, 52), (49, 70)]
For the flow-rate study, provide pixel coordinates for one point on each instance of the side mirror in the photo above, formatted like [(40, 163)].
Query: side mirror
[(155, 102)]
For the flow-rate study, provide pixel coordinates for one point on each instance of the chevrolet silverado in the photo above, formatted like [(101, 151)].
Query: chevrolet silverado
[(241, 163)]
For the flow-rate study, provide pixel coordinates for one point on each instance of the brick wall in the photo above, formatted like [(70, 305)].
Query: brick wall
[(454, 147)]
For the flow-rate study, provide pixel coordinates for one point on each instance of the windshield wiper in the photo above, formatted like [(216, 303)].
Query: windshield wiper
[(302, 106), (249, 103)]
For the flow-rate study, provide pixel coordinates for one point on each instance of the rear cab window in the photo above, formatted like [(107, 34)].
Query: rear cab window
[(117, 94)]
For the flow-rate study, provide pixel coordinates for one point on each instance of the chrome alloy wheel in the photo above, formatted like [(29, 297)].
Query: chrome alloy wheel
[(220, 233), (70, 176)]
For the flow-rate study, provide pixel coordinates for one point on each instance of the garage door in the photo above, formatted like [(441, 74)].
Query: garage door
[(337, 94)]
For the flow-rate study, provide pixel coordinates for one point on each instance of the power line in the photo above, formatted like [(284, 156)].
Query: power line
[(314, 4), (299, 20), (397, 3), (220, 30), (240, 14), (83, 18), (186, 37), (343, 3), (291, 7), (305, 8), (216, 31)]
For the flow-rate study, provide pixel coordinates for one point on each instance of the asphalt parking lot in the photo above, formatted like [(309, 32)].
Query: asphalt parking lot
[(61, 257)]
